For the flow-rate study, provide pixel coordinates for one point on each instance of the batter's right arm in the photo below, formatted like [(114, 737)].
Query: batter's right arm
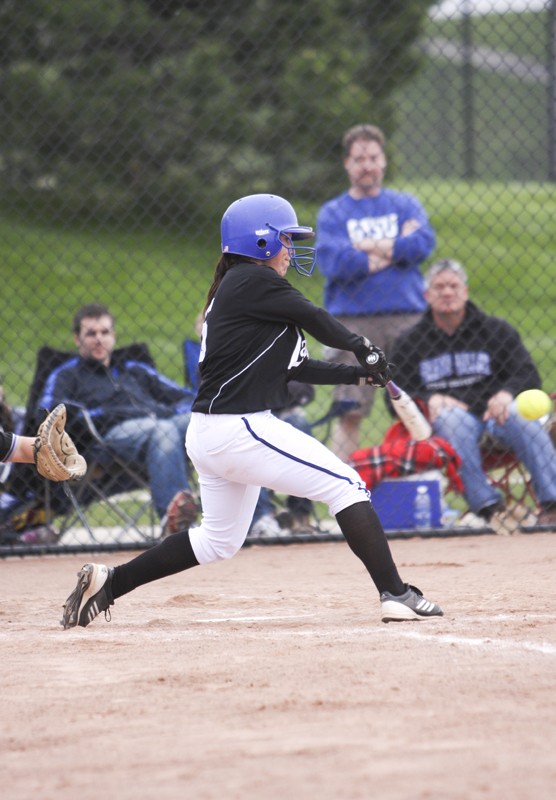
[(330, 374)]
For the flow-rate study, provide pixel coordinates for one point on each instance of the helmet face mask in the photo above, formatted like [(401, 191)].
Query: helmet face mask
[(253, 226), (302, 257)]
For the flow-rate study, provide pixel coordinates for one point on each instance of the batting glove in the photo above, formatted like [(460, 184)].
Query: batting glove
[(375, 365)]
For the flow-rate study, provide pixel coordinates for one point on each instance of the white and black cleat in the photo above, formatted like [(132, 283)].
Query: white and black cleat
[(91, 596), (408, 606)]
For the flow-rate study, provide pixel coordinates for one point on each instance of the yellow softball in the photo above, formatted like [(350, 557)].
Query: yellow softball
[(533, 404)]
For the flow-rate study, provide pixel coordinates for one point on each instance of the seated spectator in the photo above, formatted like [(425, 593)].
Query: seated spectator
[(141, 414), (468, 367), (15, 519), (13, 448), (19, 521)]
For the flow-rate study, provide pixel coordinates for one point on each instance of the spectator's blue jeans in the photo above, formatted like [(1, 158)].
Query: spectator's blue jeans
[(527, 439), (159, 444)]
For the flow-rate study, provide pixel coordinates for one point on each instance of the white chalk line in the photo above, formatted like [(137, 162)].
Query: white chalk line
[(336, 633), (260, 618), (483, 642), (401, 630), (231, 617)]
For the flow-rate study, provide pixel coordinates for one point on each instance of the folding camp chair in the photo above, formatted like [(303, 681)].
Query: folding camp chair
[(112, 503), (507, 473)]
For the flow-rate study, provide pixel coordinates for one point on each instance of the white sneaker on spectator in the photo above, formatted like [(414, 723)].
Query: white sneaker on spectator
[(471, 520), (266, 526)]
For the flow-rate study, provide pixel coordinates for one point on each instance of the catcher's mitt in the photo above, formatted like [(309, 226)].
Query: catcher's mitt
[(56, 456)]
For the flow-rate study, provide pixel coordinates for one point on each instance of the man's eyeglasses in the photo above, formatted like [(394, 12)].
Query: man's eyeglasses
[(95, 334)]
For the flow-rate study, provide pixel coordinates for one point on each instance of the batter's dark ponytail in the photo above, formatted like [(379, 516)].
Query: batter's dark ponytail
[(225, 262)]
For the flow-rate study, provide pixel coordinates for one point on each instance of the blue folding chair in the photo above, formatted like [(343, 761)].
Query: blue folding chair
[(191, 351)]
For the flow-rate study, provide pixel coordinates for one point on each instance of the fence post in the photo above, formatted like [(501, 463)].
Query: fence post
[(468, 98), (552, 91)]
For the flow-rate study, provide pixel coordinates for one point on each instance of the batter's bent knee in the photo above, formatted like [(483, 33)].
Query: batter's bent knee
[(208, 549), (224, 550)]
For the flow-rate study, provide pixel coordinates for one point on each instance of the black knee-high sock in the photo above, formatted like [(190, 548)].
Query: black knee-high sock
[(171, 555), (365, 535)]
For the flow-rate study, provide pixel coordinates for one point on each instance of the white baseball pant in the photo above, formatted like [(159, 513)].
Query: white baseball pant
[(236, 454)]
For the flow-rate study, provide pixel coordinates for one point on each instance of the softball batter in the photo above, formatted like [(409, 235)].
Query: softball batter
[(252, 344)]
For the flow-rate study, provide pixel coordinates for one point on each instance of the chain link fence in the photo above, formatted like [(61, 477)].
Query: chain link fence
[(128, 126)]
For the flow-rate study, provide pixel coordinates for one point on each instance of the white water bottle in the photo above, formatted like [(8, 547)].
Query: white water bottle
[(422, 508)]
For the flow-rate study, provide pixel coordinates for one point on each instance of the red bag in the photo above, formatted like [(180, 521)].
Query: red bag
[(399, 455)]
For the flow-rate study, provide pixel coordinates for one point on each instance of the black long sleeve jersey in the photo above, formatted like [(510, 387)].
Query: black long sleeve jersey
[(253, 343)]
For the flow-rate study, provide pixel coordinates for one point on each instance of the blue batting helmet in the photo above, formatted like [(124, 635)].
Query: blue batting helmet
[(252, 226)]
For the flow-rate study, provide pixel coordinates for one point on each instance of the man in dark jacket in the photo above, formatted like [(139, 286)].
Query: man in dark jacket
[(468, 367), (141, 414)]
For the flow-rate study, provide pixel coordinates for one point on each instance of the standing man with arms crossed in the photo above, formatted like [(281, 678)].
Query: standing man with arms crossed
[(371, 242), (252, 345)]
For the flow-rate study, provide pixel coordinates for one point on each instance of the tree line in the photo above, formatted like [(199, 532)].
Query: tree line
[(154, 109)]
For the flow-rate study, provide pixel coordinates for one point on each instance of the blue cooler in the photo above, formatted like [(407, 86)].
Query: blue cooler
[(394, 502)]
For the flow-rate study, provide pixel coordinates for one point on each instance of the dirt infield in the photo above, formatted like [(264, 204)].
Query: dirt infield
[(271, 677)]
